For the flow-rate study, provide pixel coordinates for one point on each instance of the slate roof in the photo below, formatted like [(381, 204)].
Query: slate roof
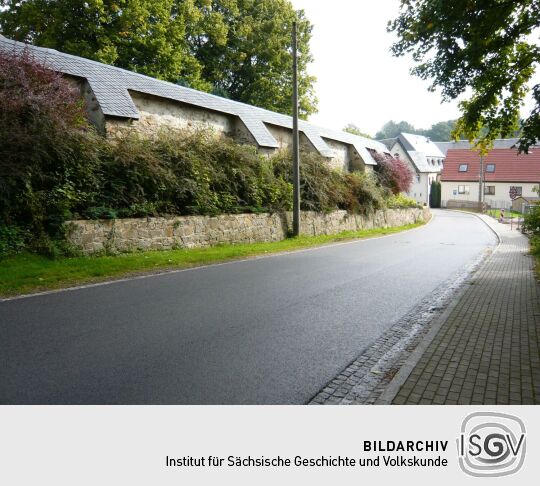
[(510, 166), (424, 154), (419, 143), (501, 143), (423, 163), (111, 87), (388, 142)]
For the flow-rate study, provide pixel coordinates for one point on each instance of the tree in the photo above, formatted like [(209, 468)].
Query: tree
[(240, 49), (485, 46), (145, 36), (435, 195), (254, 63), (441, 131), (392, 129), (352, 128)]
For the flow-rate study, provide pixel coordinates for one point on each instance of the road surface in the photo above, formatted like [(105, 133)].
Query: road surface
[(262, 331)]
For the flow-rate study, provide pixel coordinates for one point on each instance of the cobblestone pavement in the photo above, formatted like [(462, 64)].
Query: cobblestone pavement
[(487, 350)]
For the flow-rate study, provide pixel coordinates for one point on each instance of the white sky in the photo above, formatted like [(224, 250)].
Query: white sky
[(359, 81)]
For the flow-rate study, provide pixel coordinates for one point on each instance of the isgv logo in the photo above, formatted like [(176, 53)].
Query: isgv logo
[(491, 444)]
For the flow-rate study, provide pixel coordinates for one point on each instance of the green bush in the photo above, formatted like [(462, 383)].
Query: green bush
[(400, 201), (321, 188), (12, 240), (188, 173), (363, 193), (531, 222)]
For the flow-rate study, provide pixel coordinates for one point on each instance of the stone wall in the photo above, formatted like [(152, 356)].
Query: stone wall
[(158, 113), (124, 235)]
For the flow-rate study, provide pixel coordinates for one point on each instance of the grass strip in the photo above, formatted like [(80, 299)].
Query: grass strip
[(27, 273)]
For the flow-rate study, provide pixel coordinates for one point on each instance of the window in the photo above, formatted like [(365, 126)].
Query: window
[(417, 177), (464, 189), (464, 167), (517, 190), (490, 168), (489, 190)]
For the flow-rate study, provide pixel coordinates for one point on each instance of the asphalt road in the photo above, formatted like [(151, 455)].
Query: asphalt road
[(269, 330)]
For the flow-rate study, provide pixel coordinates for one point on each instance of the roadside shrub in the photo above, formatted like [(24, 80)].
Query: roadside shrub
[(49, 156), (12, 240), (363, 194), (393, 174), (400, 201), (188, 173), (321, 188), (531, 222)]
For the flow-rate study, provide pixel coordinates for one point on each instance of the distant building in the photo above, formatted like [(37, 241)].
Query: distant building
[(120, 100), (500, 143), (507, 175), (425, 160)]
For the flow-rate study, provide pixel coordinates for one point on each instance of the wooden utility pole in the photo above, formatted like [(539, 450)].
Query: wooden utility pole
[(296, 138)]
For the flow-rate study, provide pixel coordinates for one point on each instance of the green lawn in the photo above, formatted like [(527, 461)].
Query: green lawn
[(28, 273), (496, 213)]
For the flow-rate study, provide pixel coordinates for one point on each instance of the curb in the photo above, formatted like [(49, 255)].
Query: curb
[(493, 230), (392, 389)]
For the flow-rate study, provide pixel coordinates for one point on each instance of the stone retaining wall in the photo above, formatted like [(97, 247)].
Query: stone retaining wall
[(123, 235)]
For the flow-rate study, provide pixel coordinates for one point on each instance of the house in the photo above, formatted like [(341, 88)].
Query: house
[(424, 158), (120, 100), (500, 143), (507, 175)]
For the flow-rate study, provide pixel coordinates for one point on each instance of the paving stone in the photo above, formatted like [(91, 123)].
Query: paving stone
[(488, 347)]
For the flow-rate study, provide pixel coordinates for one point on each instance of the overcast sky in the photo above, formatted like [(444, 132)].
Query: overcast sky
[(358, 80)]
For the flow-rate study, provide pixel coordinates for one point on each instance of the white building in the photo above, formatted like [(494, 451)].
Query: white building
[(425, 159), (507, 175)]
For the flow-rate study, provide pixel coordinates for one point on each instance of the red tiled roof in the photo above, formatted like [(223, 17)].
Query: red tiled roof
[(509, 166)]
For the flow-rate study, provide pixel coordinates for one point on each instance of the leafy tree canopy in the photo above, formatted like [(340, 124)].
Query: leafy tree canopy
[(352, 128), (239, 49), (439, 132), (253, 64), (488, 48)]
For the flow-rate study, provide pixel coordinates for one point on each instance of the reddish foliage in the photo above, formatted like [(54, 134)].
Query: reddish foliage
[(38, 107), (44, 140), (393, 173)]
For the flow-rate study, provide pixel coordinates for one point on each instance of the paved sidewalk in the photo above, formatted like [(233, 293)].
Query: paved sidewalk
[(487, 350)]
